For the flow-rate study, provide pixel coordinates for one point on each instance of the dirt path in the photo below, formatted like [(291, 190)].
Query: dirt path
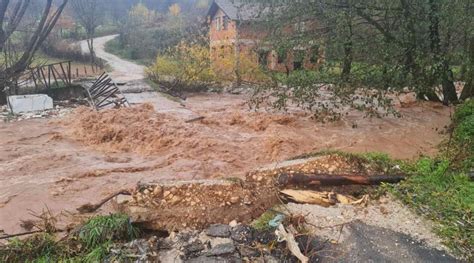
[(133, 76), (123, 70)]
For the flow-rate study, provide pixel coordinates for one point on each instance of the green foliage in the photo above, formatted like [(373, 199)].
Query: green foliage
[(440, 188), (91, 244), (115, 47), (444, 196), (463, 111), (261, 223), (370, 49), (146, 32), (102, 229), (460, 148), (464, 132), (98, 253), (39, 248), (185, 67)]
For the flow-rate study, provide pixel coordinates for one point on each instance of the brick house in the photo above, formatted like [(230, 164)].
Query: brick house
[(234, 27)]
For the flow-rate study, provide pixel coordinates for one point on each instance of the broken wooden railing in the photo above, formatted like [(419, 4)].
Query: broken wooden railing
[(104, 93), (46, 76)]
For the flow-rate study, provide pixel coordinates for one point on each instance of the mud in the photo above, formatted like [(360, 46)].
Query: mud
[(197, 205), (89, 155)]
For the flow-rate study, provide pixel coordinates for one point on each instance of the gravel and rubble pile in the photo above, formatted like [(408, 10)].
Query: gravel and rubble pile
[(61, 109), (218, 243), (194, 204)]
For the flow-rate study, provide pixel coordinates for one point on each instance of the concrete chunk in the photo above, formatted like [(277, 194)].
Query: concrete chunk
[(30, 103)]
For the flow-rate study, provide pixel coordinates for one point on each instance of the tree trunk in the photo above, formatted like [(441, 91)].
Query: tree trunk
[(347, 63), (348, 51), (238, 75), (409, 61), (443, 72), (468, 91), (90, 45)]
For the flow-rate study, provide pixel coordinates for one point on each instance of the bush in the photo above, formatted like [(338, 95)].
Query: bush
[(64, 49), (462, 152), (103, 229), (91, 243), (464, 111), (184, 68), (39, 248), (225, 66)]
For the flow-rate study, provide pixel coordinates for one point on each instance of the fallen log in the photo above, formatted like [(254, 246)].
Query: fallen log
[(27, 233), (336, 180), (195, 119), (20, 234), (91, 208)]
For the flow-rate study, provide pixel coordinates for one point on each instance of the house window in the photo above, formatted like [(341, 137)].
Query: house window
[(263, 58), (218, 24), (314, 55), (298, 59), (282, 54), (226, 22), (300, 27)]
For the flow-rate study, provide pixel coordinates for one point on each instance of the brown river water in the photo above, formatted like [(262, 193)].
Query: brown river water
[(63, 164)]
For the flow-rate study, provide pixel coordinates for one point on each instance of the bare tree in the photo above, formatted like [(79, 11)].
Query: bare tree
[(11, 16), (88, 14)]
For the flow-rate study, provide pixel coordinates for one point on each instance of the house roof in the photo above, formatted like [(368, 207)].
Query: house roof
[(236, 9)]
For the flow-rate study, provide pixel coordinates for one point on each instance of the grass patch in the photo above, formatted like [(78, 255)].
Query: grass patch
[(261, 223), (91, 243), (444, 196), (440, 189), (437, 188), (115, 47), (39, 248), (103, 229)]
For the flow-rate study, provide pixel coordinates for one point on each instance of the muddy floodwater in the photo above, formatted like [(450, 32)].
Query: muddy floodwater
[(64, 163)]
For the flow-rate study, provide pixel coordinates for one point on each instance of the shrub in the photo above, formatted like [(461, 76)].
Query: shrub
[(461, 149), (184, 68), (38, 248), (103, 229), (463, 111), (225, 66)]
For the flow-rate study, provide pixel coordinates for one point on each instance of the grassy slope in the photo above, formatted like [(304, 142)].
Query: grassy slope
[(439, 188), (114, 47), (91, 243)]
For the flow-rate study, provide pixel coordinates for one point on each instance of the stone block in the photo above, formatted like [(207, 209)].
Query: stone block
[(30, 103)]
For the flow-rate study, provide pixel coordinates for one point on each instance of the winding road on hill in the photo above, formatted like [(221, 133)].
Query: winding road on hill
[(122, 70), (135, 88)]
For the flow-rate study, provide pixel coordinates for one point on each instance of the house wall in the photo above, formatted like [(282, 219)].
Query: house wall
[(249, 36), (223, 36)]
